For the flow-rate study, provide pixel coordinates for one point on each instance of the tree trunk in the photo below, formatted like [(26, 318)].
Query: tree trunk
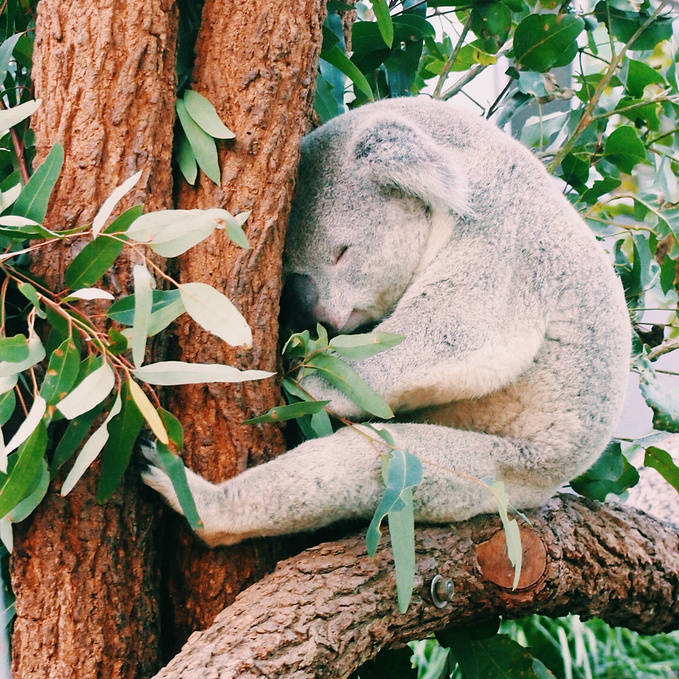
[(328, 610), (85, 575), (256, 63)]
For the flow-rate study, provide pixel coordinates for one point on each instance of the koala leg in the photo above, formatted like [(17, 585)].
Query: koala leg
[(339, 477)]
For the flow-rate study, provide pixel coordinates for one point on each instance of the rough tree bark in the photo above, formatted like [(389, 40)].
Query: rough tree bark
[(256, 63), (328, 610), (84, 575)]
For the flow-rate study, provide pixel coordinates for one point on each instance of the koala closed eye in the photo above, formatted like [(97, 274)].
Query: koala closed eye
[(339, 253)]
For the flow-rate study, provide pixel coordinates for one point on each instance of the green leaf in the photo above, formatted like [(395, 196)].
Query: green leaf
[(90, 450), (497, 657), (357, 347), (173, 427), (320, 424), (6, 50), (91, 391), (402, 533), (202, 144), (117, 342), (384, 23), (205, 114), (403, 471), (34, 197), (542, 41), (123, 430), (625, 24), (214, 312), (25, 430), (110, 203), (25, 471), (289, 412), (637, 74), (31, 294), (148, 411), (339, 59), (174, 468), (36, 352), (611, 473), (663, 463), (13, 349), (7, 403), (73, 436), (143, 287), (62, 371), (122, 311), (25, 508), (187, 161), (168, 373), (624, 148), (342, 376), (90, 264), (661, 400)]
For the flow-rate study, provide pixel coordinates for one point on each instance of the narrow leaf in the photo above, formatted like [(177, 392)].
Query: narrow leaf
[(384, 22), (342, 376), (404, 470), (61, 373), (110, 203), (7, 404), (173, 427), (24, 472), (663, 463), (143, 299), (33, 199), (511, 528), (73, 436), (176, 372), (15, 115), (91, 391), (123, 430), (215, 313), (27, 427), (90, 264), (187, 161), (31, 294), (36, 352), (90, 450), (90, 294), (25, 508), (402, 533), (660, 398), (289, 412), (357, 347), (148, 411), (205, 114), (202, 144), (340, 60), (13, 349), (174, 468), (122, 311)]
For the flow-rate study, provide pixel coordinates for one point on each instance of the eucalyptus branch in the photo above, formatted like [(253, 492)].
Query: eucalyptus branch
[(450, 61), (656, 100), (664, 348), (653, 140), (464, 80), (587, 116)]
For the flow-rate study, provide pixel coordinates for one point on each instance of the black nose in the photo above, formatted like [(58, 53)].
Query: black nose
[(298, 300)]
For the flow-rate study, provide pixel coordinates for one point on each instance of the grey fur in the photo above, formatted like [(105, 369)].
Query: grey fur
[(517, 336)]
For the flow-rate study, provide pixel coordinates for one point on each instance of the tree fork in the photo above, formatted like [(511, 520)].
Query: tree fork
[(85, 575), (256, 63), (326, 611)]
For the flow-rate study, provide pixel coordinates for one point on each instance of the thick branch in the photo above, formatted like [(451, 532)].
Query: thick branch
[(326, 611)]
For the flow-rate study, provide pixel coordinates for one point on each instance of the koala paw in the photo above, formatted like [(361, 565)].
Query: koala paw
[(154, 477)]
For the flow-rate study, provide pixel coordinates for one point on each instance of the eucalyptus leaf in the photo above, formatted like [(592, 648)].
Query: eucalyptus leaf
[(13, 349), (289, 412), (12, 116), (357, 347), (384, 23), (122, 311), (349, 382), (143, 287), (25, 430), (664, 464), (511, 529), (339, 59), (89, 294), (215, 313), (34, 197), (90, 450), (73, 436), (186, 161), (61, 373), (148, 412), (174, 468), (25, 507), (542, 41), (91, 391), (660, 398), (168, 373), (611, 473), (202, 144), (7, 404), (31, 294), (110, 203), (402, 532), (204, 113), (36, 352)]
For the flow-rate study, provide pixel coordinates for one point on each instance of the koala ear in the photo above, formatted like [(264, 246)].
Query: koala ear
[(401, 154)]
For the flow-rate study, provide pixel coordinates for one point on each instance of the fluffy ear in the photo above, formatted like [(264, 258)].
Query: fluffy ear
[(401, 154)]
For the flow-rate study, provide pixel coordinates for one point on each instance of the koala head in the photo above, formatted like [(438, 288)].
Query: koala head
[(361, 218)]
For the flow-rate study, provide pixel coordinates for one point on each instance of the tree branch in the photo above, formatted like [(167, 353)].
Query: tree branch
[(329, 609)]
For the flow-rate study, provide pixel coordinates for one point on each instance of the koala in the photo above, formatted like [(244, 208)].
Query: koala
[(419, 219)]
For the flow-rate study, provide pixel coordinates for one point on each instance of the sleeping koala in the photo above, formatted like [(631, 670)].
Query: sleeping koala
[(430, 222)]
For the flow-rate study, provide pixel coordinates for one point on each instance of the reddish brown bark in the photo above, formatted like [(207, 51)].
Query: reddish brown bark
[(328, 610), (256, 62), (84, 575)]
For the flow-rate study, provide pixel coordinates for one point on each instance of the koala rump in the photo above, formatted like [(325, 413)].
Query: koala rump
[(430, 222)]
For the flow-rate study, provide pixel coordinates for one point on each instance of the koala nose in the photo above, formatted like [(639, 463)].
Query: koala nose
[(298, 300)]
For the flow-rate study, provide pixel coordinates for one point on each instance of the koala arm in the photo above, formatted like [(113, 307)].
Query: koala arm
[(460, 343)]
